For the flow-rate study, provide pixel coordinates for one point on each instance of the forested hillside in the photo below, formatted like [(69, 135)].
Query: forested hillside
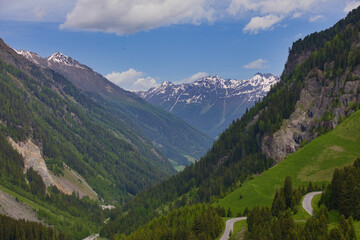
[(325, 64), (195, 222), (20, 229), (75, 217), (43, 106)]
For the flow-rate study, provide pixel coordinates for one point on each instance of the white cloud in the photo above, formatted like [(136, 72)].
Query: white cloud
[(130, 16), (261, 23), (257, 64), (144, 84), (270, 12), (351, 5), (131, 80), (315, 18), (298, 36), (194, 77)]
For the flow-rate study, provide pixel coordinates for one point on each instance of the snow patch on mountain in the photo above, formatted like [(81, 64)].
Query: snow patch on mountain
[(255, 87), (210, 103), (56, 58)]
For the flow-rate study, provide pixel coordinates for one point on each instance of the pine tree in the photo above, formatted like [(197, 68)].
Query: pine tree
[(278, 204), (229, 213), (288, 192)]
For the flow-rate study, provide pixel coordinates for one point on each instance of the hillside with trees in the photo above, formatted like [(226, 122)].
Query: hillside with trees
[(69, 127)]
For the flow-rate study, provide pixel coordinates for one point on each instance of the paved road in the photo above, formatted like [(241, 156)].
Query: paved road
[(92, 237), (230, 227), (307, 201), (306, 205)]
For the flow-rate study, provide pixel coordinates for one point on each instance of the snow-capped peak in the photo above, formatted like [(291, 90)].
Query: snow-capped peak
[(34, 57), (58, 58), (211, 99), (63, 59), (165, 83)]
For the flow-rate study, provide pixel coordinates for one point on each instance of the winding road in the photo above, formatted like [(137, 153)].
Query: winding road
[(230, 227), (306, 204)]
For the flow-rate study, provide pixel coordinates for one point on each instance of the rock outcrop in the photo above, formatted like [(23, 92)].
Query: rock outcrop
[(322, 105)]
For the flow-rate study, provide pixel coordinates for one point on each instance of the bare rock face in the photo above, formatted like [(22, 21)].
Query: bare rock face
[(319, 98), (32, 158), (71, 182)]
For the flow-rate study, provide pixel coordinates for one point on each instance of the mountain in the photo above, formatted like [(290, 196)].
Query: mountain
[(179, 141), (63, 134), (210, 103), (319, 88)]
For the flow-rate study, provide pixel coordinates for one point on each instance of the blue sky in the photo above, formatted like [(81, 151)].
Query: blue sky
[(140, 43)]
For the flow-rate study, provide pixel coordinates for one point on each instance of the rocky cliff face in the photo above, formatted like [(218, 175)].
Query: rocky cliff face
[(324, 102)]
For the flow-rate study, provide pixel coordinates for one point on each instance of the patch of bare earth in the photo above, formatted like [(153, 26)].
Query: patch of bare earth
[(69, 183), (9, 206)]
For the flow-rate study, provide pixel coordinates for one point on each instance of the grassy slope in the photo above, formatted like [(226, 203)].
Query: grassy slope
[(314, 162)]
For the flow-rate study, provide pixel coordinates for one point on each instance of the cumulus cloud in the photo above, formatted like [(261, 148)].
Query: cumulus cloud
[(315, 18), (270, 12), (130, 16), (257, 64), (132, 80), (261, 23), (194, 77), (144, 84), (351, 5)]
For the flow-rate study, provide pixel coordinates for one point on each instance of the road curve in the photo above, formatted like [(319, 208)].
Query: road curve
[(230, 227), (92, 237), (306, 203)]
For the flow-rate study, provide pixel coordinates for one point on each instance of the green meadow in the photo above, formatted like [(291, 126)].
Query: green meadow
[(314, 162)]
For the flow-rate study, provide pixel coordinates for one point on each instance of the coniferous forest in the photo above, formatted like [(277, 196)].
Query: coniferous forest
[(20, 229)]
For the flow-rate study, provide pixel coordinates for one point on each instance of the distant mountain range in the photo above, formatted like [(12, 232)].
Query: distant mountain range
[(179, 141), (210, 103)]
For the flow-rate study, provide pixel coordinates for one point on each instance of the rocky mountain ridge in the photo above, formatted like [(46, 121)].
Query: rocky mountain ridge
[(176, 139), (210, 103)]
